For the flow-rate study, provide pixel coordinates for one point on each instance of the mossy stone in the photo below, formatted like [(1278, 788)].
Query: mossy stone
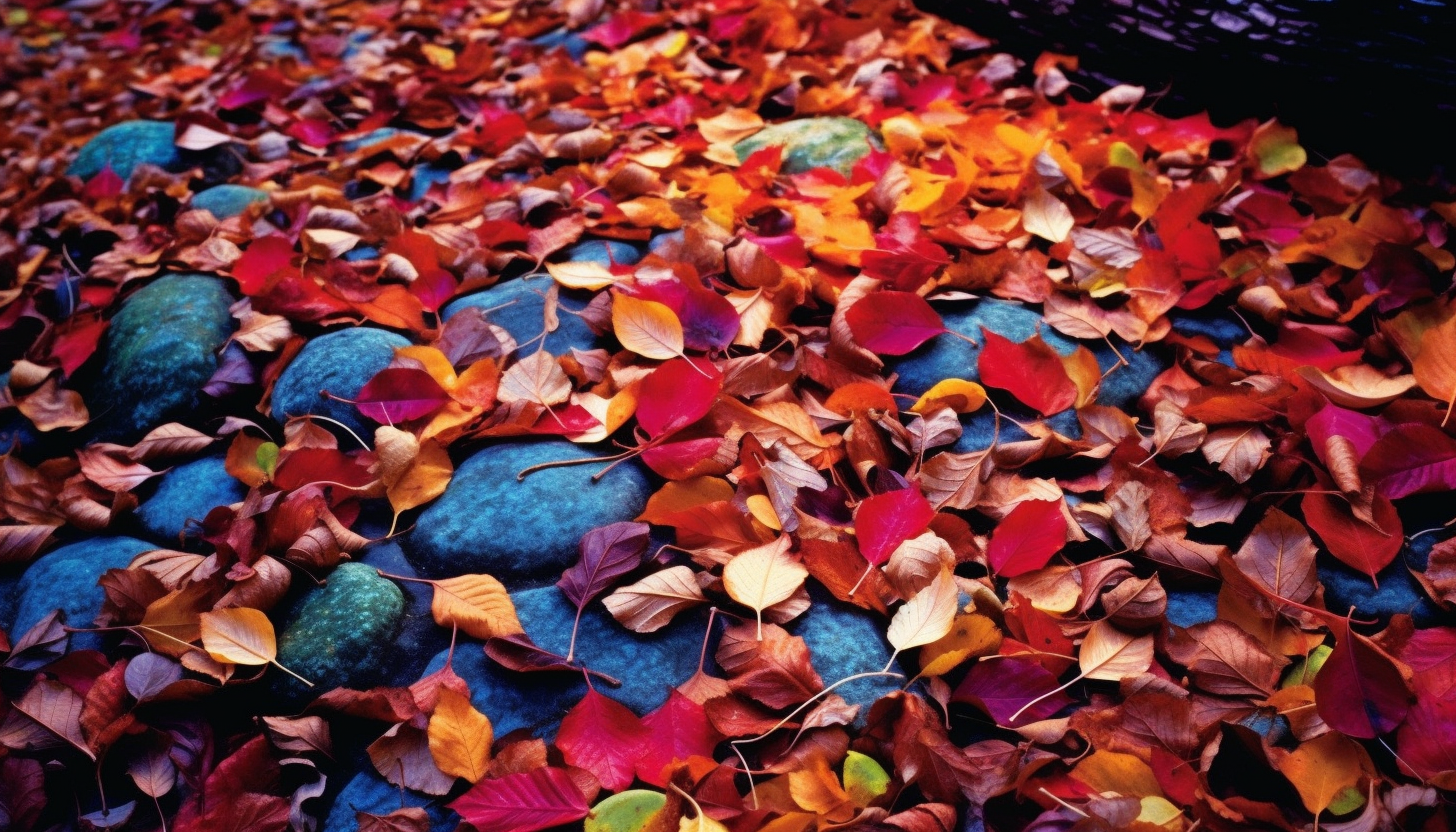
[(419, 636), (161, 349), (188, 492), (832, 142), (341, 363), (648, 665), (522, 531), (519, 307), (368, 792), (126, 146), (339, 633), (65, 579), (224, 201)]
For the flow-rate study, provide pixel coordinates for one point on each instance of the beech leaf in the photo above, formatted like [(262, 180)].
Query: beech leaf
[(460, 736), (478, 604), (763, 576), (650, 604), (927, 617), (524, 802)]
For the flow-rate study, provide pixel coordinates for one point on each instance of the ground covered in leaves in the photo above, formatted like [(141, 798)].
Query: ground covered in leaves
[(733, 414)]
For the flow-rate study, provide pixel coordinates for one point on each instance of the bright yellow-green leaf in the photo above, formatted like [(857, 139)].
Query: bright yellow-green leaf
[(864, 778)]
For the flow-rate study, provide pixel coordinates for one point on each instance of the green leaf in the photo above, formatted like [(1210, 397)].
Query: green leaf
[(1304, 670), (864, 779), (267, 457)]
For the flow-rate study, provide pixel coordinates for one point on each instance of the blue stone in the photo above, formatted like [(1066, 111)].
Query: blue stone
[(832, 142), (425, 175), (161, 349), (370, 138), (188, 492), (342, 363), (1399, 592), (9, 600), (670, 238), (127, 145), (1186, 609), (519, 307), (648, 665), (361, 252), (225, 201), (604, 253), (368, 792), (574, 44), (338, 635), (1223, 330), (487, 521), (65, 579), (845, 640)]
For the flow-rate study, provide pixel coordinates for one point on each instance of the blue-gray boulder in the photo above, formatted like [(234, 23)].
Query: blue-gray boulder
[(832, 142), (648, 665), (522, 531), (188, 492), (1223, 329), (1187, 608), (519, 307), (224, 201), (574, 44), (1399, 592), (341, 363), (65, 579), (161, 348), (604, 253), (844, 641), (368, 792), (339, 634), (127, 145)]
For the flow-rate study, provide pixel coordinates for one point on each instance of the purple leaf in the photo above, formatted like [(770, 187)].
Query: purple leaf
[(399, 394), (607, 553), (1001, 687)]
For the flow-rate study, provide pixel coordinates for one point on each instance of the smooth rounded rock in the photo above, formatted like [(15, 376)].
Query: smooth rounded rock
[(126, 146), (522, 531), (188, 492), (224, 201), (648, 665), (338, 636), (603, 252), (574, 44), (519, 307), (161, 349), (1224, 330), (845, 641), (368, 792), (65, 579), (832, 142), (341, 363)]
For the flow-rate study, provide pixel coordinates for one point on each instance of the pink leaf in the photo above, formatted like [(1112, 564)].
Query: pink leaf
[(1001, 687), (398, 394), (1028, 537), (676, 731), (538, 799), (892, 323), (603, 737), (884, 521), (677, 394), (1412, 459)]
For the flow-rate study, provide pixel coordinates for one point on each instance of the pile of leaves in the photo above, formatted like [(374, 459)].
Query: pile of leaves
[(1025, 588)]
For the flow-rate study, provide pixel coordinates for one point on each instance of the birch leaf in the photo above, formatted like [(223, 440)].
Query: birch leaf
[(649, 604)]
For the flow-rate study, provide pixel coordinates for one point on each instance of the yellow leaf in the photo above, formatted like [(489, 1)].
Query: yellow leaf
[(958, 394), (581, 275), (815, 787), (927, 617), (477, 604), (1159, 812), (970, 636), (423, 479), (1435, 366), (701, 823), (239, 636), (459, 736), (1122, 774), (763, 576), (1322, 768), (647, 327)]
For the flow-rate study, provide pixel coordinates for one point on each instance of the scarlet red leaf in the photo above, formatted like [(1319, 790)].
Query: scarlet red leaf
[(676, 731), (264, 257), (884, 521), (1028, 537), (1352, 540), (1031, 371), (892, 323), (603, 737), (399, 394), (906, 257), (525, 802), (677, 394)]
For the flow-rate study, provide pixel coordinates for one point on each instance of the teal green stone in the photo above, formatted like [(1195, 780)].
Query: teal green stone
[(161, 348), (522, 531), (340, 634), (341, 363), (127, 145), (833, 142), (65, 579), (225, 201), (188, 492)]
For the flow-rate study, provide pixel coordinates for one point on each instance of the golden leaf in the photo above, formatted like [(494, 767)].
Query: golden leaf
[(646, 327), (478, 604), (460, 737)]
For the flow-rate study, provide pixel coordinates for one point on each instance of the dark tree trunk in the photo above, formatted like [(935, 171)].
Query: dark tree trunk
[(1372, 77)]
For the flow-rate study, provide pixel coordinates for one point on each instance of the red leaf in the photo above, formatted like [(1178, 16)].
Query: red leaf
[(265, 257), (537, 799), (1031, 371), (1412, 459), (1028, 537), (398, 394), (603, 737), (1427, 740), (1001, 687), (884, 521), (1359, 691), (906, 256), (103, 185), (892, 323), (1351, 539), (676, 731), (677, 394)]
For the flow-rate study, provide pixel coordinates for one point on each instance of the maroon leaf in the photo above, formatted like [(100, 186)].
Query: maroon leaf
[(1412, 459), (520, 654), (1028, 537), (1359, 691), (1031, 371), (1001, 687), (884, 521), (892, 323), (677, 394), (538, 799), (398, 394), (607, 553), (603, 737)]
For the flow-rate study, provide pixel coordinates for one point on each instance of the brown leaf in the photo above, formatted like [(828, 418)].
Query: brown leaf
[(19, 544), (408, 819), (649, 604), (110, 467), (776, 670), (1226, 661), (58, 709), (402, 756), (1239, 451), (169, 440), (1279, 556)]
